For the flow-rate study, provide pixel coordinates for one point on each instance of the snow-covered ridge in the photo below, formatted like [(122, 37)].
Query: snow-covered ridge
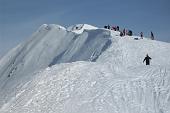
[(79, 28), (50, 26), (51, 42), (85, 69), (49, 45)]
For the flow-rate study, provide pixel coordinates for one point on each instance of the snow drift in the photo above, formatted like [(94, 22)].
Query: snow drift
[(84, 69)]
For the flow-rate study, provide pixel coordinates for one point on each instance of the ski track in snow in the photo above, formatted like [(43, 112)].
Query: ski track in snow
[(117, 82)]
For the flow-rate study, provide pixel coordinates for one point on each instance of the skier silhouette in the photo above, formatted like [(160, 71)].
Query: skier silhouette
[(147, 59)]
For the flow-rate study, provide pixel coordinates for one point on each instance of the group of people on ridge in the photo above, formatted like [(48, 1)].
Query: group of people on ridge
[(126, 31), (130, 33), (122, 33), (152, 36)]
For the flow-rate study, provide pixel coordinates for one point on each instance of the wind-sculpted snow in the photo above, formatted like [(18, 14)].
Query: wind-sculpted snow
[(91, 70), (85, 47), (79, 28)]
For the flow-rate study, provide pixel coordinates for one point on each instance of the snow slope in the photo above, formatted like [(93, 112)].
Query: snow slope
[(83, 87), (49, 45), (116, 81)]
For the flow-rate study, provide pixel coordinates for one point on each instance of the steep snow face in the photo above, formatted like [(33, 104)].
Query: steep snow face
[(49, 45), (116, 82)]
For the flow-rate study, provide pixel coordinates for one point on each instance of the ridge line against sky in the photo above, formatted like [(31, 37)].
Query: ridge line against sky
[(20, 18)]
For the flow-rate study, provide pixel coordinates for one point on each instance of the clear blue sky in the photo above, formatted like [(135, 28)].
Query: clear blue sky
[(20, 18)]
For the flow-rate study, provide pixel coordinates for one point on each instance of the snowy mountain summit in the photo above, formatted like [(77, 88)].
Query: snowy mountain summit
[(85, 69)]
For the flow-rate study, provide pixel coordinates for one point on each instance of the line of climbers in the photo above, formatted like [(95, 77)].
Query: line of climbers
[(126, 31)]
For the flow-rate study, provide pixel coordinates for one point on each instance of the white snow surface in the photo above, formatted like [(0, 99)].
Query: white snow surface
[(79, 28), (85, 70)]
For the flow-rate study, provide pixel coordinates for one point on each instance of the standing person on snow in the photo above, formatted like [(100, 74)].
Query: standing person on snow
[(124, 32), (117, 28), (141, 35), (147, 59), (108, 26), (152, 36)]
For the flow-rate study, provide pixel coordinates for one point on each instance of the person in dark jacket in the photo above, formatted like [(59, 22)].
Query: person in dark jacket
[(147, 59), (152, 36), (121, 33), (108, 26), (130, 33), (141, 35), (124, 32), (105, 27), (117, 28)]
